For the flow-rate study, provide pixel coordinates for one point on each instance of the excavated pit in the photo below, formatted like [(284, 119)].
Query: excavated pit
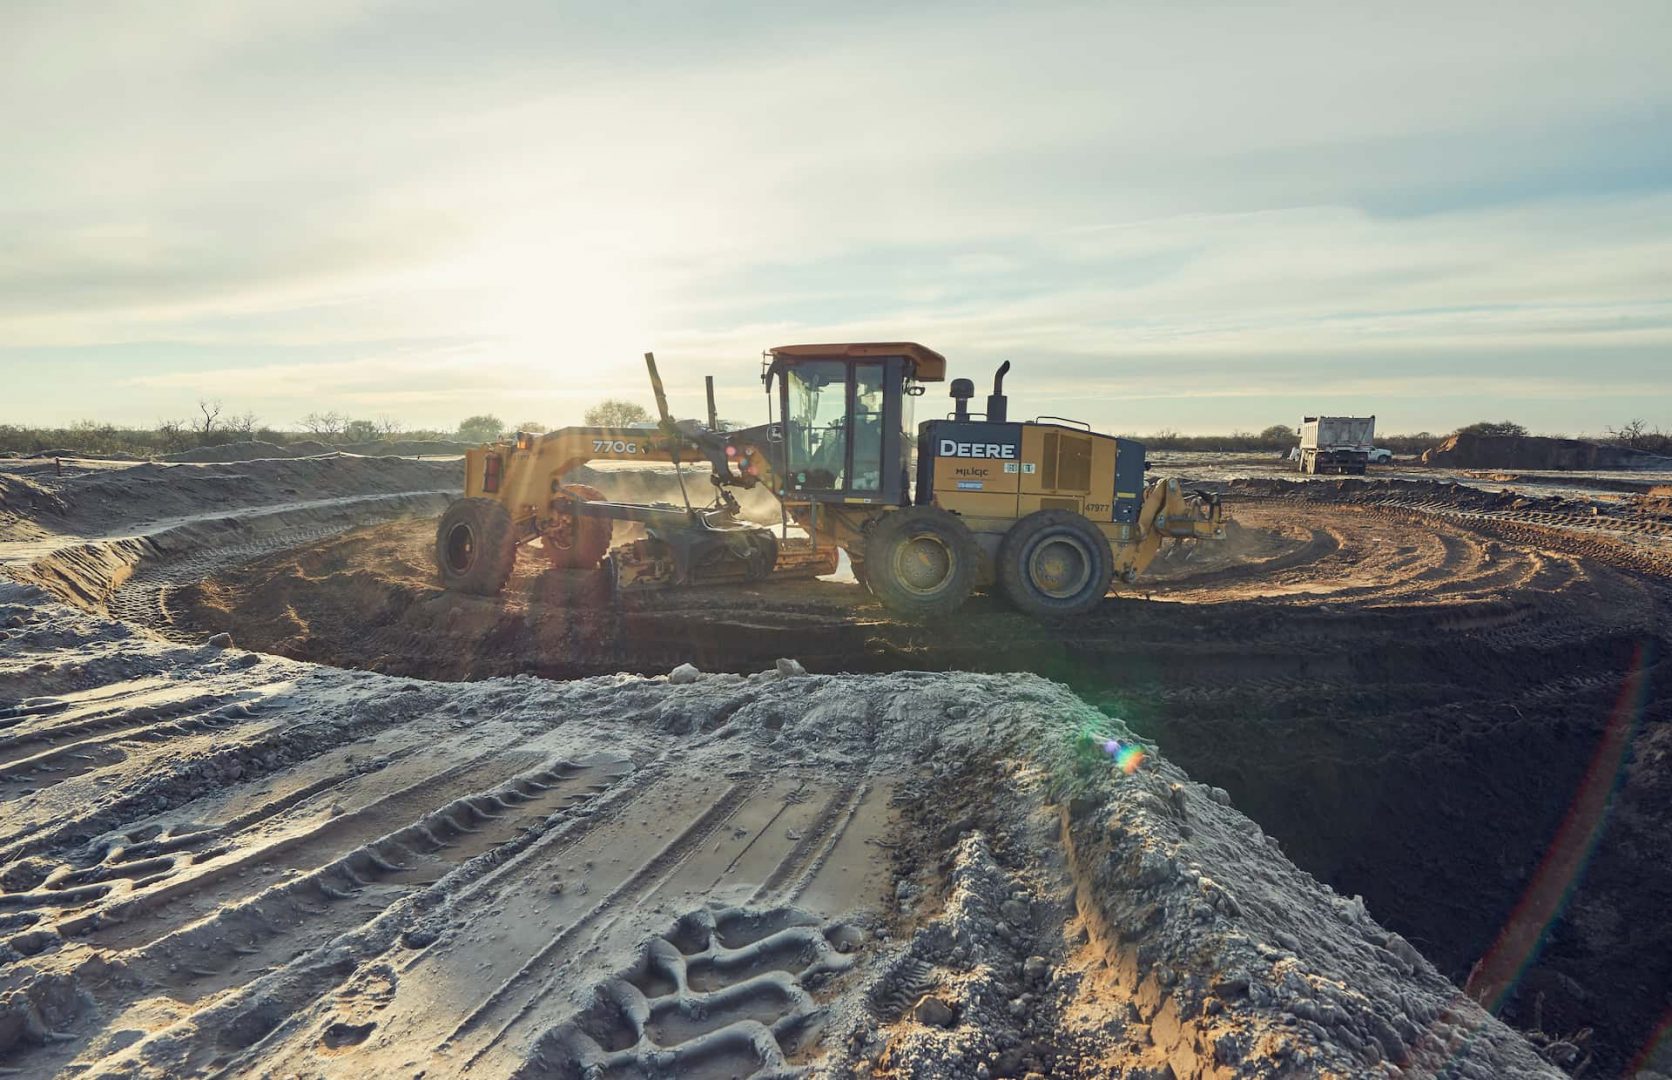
[(1452, 709), (1412, 706)]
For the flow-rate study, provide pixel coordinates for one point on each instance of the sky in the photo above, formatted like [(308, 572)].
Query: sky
[(1188, 216)]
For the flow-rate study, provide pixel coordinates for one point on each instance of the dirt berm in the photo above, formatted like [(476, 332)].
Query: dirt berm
[(256, 449), (216, 862), (1466, 451)]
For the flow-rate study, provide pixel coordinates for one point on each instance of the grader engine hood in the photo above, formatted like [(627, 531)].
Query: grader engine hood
[(985, 469)]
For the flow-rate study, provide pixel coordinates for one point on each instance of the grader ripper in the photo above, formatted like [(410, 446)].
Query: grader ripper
[(1047, 510)]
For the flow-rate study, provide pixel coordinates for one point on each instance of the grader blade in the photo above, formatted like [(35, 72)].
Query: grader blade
[(700, 557)]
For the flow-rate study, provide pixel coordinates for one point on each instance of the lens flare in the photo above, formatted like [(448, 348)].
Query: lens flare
[(1662, 1036), (1128, 756), (1559, 872)]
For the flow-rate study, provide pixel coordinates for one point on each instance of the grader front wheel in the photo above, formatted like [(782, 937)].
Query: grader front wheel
[(474, 548)]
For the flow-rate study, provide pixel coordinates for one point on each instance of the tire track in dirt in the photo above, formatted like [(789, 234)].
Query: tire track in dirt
[(148, 854), (254, 912), (723, 993), (144, 600), (181, 766), (158, 911), (341, 886), (576, 893), (83, 703), (138, 712), (45, 756)]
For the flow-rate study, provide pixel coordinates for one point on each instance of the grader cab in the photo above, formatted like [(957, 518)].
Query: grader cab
[(1047, 510)]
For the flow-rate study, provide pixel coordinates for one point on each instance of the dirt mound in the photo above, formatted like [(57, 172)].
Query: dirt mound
[(231, 451), (1430, 493), (215, 862), (408, 448), (25, 497), (65, 452), (1468, 451), (255, 449), (153, 491)]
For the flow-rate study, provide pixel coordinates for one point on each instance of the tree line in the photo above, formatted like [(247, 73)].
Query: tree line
[(211, 425)]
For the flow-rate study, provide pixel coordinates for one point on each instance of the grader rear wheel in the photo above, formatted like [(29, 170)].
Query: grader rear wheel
[(574, 542), (1055, 562)]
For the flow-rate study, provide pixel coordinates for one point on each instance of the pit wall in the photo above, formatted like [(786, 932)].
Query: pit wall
[(1256, 968), (86, 573)]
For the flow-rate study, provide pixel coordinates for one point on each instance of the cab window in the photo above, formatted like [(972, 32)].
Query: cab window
[(867, 426), (817, 424)]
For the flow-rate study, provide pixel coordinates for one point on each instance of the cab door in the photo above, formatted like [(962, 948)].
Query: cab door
[(842, 425)]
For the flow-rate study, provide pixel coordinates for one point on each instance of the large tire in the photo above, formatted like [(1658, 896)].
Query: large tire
[(474, 548), (1055, 562), (574, 542), (920, 562)]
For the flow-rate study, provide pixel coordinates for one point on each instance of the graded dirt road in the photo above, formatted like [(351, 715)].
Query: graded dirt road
[(218, 861)]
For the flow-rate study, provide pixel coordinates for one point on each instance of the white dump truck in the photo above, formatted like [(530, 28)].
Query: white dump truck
[(1336, 444)]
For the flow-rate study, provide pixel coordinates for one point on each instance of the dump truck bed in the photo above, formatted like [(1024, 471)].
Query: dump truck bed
[(1338, 433)]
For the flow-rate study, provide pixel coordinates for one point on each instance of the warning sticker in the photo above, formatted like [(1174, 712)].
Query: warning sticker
[(969, 485)]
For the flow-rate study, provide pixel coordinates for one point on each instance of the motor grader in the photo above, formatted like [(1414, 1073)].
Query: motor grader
[(1047, 510)]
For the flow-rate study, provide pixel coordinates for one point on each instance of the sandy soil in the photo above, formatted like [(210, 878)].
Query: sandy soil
[(219, 861)]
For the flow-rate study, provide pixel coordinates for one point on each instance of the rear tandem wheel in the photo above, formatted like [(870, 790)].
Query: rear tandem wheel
[(1055, 562)]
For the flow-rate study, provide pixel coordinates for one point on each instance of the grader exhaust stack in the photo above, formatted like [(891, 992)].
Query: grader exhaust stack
[(998, 406)]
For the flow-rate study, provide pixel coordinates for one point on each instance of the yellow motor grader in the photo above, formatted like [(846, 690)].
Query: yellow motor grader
[(1047, 510)]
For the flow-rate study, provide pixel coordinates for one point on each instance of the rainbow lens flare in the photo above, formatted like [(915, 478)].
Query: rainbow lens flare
[(1128, 756)]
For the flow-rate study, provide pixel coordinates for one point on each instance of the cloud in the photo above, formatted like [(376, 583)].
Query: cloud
[(522, 189)]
